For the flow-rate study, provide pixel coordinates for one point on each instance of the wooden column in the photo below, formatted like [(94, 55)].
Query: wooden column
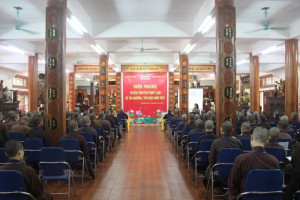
[(171, 91), (33, 93), (92, 94), (254, 83), (184, 84), (118, 92), (55, 84), (291, 76), (103, 83), (72, 97), (226, 59)]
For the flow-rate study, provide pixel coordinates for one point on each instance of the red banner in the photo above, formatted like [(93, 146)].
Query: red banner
[(145, 95)]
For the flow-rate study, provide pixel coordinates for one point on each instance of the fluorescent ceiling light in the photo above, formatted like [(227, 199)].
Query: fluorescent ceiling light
[(242, 62), (16, 50), (269, 50), (190, 48), (186, 48), (207, 24), (98, 49), (110, 62), (76, 25), (42, 61)]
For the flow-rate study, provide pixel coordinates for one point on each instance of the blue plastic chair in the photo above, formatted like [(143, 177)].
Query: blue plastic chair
[(32, 149), (278, 153), (246, 144), (201, 157), (238, 130), (12, 186), (91, 146), (184, 136), (191, 146), (74, 156), (101, 140), (14, 135), (3, 157), (291, 133), (107, 135), (173, 127), (263, 184), (222, 168), (54, 166)]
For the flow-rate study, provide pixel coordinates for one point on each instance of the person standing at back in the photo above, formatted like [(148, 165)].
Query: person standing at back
[(258, 158)]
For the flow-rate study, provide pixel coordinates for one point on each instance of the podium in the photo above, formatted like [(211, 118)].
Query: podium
[(277, 104), (6, 107)]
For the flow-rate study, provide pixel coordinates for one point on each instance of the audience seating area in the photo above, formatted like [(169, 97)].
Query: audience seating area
[(60, 164), (177, 133)]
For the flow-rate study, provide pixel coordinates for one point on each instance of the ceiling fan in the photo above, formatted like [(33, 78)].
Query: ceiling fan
[(142, 49), (18, 26), (266, 24)]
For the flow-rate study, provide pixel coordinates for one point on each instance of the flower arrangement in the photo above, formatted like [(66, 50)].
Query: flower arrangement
[(131, 113), (158, 113)]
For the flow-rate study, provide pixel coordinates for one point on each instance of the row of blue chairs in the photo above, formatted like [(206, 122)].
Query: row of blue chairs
[(53, 164), (225, 162), (261, 184)]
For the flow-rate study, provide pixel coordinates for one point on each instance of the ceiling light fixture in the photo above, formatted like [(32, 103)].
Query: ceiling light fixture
[(242, 62), (41, 61), (186, 47), (76, 25), (269, 50), (191, 47), (15, 49), (97, 48), (110, 62), (207, 24)]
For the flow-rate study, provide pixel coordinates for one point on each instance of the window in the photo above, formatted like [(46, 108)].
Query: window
[(267, 81), (20, 82)]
